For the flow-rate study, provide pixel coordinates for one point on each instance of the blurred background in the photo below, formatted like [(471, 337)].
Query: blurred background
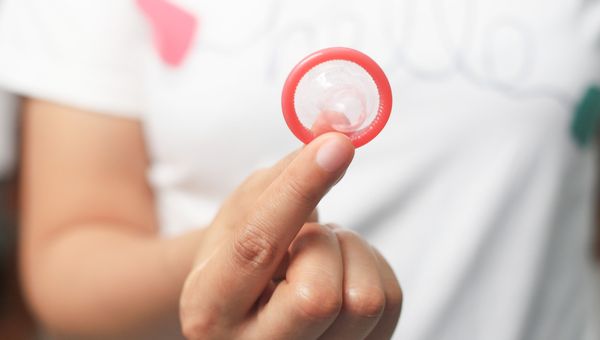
[(15, 322)]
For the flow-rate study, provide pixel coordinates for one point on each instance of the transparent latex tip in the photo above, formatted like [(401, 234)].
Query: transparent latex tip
[(336, 95)]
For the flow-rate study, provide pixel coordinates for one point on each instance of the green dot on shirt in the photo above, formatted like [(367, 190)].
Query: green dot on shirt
[(587, 117)]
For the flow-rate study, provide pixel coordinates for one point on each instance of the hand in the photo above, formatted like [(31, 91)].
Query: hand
[(263, 272)]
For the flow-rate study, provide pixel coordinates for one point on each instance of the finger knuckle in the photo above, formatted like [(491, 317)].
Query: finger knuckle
[(318, 302), (346, 235), (365, 302), (253, 248), (317, 229), (311, 233)]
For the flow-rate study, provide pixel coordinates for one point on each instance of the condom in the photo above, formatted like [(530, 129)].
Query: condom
[(337, 90)]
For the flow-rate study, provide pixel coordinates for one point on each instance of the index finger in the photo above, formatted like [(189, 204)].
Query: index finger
[(247, 263)]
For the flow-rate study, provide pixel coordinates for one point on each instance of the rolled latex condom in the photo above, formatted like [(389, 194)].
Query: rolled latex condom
[(337, 89)]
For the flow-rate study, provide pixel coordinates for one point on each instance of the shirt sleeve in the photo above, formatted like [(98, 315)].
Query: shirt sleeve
[(83, 53)]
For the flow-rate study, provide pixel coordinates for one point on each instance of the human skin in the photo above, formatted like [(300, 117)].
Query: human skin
[(93, 265)]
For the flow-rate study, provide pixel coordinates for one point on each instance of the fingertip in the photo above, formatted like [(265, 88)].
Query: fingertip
[(342, 138), (334, 152)]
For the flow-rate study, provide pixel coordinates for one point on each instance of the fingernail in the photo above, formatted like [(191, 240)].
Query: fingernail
[(332, 155)]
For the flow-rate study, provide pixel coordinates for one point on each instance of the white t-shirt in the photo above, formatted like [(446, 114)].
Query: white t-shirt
[(476, 191)]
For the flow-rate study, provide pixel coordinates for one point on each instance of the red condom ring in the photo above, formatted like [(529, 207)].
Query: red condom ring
[(359, 137)]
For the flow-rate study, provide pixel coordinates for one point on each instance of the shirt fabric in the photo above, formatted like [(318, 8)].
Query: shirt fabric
[(477, 191)]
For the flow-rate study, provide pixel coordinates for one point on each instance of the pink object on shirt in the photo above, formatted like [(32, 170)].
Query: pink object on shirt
[(174, 29)]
